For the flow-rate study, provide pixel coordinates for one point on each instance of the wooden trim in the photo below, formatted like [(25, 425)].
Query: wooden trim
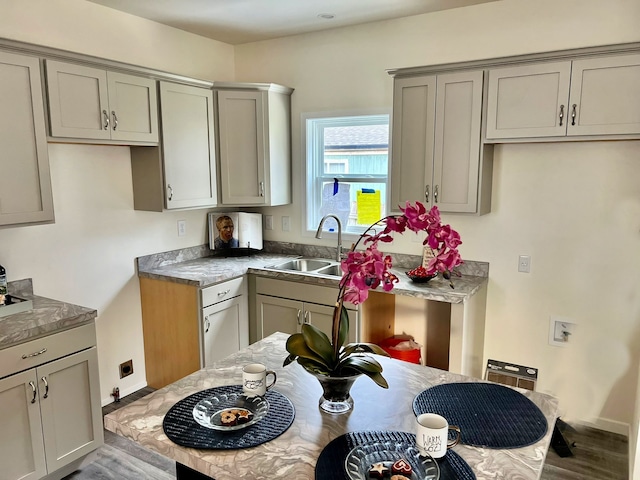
[(378, 317)]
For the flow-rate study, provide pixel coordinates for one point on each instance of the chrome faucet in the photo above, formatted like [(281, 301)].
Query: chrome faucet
[(319, 233)]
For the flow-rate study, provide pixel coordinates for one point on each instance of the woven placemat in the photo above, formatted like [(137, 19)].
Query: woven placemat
[(488, 414), (330, 465), (181, 428)]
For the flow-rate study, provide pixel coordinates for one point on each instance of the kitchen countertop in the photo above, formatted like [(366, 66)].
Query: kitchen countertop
[(294, 454), (47, 316), (195, 267)]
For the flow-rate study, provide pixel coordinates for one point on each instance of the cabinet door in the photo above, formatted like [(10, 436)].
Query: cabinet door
[(457, 141), (78, 101), (278, 315), (134, 107), (225, 329), (414, 111), (25, 185), (188, 146), (69, 391), (241, 117), (528, 101), (606, 95), (22, 452), (321, 316)]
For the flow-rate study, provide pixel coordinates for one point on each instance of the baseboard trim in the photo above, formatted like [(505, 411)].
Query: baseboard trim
[(612, 426), (124, 392)]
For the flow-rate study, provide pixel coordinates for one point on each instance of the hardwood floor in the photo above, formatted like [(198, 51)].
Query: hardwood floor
[(598, 455)]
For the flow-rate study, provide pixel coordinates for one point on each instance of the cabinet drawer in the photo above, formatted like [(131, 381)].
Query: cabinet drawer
[(46, 349), (222, 291), (303, 292)]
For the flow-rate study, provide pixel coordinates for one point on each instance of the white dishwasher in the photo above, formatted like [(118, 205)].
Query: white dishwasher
[(225, 320)]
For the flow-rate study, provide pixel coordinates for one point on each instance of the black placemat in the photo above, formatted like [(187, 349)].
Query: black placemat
[(488, 414), (330, 465), (181, 428)]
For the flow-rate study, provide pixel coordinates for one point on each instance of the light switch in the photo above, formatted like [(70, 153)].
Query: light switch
[(182, 228), (285, 224)]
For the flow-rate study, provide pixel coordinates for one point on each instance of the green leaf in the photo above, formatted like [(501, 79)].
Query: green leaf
[(366, 366), (344, 326), (319, 343), (352, 348), (297, 347), (312, 366)]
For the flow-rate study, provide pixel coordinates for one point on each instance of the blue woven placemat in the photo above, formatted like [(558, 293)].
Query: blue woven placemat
[(181, 428), (488, 414), (330, 465)]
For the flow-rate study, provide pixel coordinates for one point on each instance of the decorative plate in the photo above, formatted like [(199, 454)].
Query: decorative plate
[(361, 458), (209, 411)]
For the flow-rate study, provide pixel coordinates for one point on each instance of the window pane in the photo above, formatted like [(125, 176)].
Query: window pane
[(344, 156)]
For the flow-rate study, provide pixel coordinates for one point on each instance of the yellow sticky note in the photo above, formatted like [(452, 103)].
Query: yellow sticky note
[(368, 207)]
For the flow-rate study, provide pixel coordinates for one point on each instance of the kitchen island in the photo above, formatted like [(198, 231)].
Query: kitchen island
[(294, 454)]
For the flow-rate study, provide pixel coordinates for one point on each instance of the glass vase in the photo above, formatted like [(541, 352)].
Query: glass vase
[(335, 397)]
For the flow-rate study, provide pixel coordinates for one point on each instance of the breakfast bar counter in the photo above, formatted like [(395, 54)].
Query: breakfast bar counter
[(295, 452)]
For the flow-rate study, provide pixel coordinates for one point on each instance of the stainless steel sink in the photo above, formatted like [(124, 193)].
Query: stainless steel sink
[(333, 270), (302, 265)]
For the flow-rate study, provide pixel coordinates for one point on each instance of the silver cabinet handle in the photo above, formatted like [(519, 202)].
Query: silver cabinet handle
[(34, 354), (426, 193), (222, 294), (105, 115), (33, 388), (207, 324), (115, 119), (299, 315), (573, 114), (561, 114), (170, 192), (46, 387), (435, 194), (306, 317), (262, 189)]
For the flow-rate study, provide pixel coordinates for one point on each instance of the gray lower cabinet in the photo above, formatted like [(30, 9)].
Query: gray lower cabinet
[(25, 182), (586, 97), (437, 155), (96, 104), (283, 306), (181, 172), (50, 417)]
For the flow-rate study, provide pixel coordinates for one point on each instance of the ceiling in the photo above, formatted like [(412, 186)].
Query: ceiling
[(243, 21)]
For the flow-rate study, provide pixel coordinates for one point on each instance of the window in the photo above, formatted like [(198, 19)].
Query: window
[(347, 169)]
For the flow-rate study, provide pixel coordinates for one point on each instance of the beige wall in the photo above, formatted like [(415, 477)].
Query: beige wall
[(574, 207), (87, 256)]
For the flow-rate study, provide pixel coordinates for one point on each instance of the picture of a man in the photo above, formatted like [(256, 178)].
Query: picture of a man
[(225, 239)]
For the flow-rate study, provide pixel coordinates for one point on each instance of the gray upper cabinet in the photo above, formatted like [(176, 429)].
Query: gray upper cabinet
[(181, 172), (437, 156), (587, 97), (255, 144), (25, 182), (95, 104)]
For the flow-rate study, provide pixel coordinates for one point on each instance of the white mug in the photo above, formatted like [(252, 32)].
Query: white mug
[(432, 432), (254, 379)]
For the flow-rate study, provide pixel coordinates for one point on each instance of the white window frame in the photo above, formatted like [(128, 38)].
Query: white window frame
[(311, 144)]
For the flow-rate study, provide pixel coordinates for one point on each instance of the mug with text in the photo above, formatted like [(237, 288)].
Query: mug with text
[(254, 379), (432, 435)]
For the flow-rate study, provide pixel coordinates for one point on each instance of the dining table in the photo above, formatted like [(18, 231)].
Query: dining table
[(303, 436)]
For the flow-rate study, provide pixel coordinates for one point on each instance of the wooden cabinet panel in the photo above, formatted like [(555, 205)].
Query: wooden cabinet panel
[(91, 103), (255, 144), (528, 101), (25, 183), (606, 92)]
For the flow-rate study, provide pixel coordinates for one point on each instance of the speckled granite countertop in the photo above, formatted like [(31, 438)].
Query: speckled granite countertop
[(195, 266), (48, 316)]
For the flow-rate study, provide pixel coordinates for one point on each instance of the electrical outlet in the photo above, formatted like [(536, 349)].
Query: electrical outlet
[(285, 224), (524, 263), (182, 228), (126, 368), (268, 222), (561, 330)]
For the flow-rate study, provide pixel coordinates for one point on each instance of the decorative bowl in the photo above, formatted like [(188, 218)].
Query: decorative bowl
[(208, 411)]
